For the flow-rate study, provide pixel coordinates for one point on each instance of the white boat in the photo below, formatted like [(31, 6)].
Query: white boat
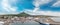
[(56, 19), (1, 22)]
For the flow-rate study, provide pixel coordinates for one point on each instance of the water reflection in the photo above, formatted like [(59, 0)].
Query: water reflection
[(25, 23), (16, 23)]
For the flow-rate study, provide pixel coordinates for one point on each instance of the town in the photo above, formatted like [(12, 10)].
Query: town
[(23, 17)]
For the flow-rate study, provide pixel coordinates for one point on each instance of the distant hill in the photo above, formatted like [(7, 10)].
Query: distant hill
[(22, 14)]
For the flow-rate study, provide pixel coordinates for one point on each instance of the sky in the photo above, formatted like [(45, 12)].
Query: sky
[(32, 7)]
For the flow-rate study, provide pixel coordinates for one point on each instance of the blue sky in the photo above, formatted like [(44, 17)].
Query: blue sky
[(28, 4), (17, 6)]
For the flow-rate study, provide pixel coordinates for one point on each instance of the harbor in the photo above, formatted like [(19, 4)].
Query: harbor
[(29, 12), (26, 19), (21, 21)]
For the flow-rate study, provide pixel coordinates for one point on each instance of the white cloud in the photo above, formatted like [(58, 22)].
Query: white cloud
[(38, 3), (6, 6), (9, 13), (49, 13), (14, 0), (57, 4), (36, 11)]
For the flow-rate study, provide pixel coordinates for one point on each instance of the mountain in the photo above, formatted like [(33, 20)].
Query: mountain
[(23, 14)]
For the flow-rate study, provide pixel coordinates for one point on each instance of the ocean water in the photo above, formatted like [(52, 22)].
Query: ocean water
[(26, 23)]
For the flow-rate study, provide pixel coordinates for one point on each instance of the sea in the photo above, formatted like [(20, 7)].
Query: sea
[(26, 23)]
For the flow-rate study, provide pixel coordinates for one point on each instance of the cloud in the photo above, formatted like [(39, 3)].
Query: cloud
[(2, 13), (38, 3), (57, 4), (36, 10), (49, 13), (6, 6)]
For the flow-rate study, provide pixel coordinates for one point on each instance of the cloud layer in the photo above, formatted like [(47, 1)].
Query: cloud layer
[(57, 4), (37, 12), (38, 3), (49, 13), (6, 6)]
